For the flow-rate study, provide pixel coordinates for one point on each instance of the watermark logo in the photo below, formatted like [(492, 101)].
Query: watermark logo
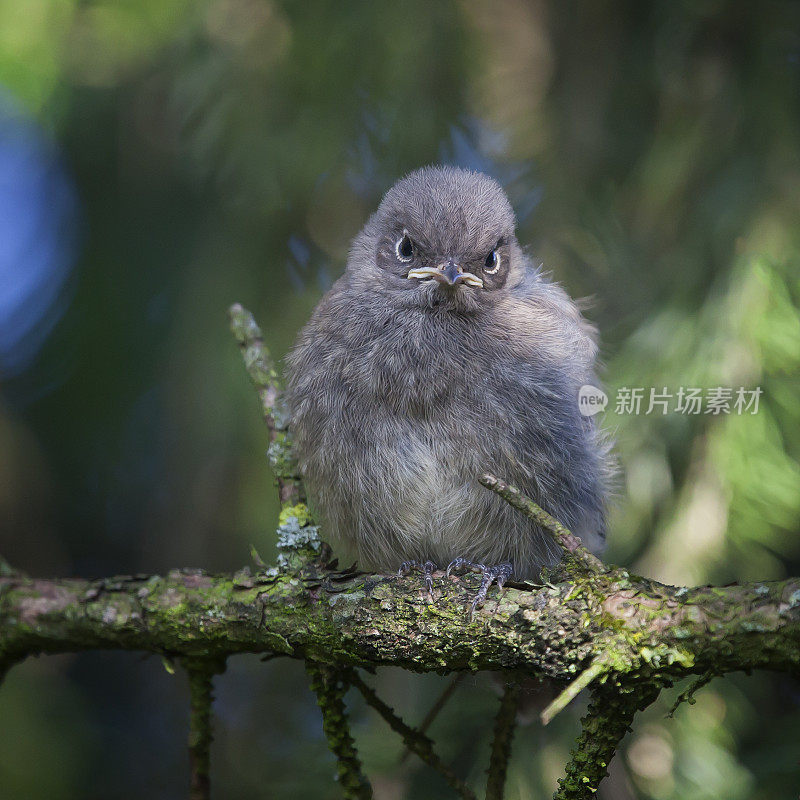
[(638, 400), (591, 400)]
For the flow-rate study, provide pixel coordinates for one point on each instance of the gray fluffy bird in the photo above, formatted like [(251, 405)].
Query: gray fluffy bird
[(442, 353)]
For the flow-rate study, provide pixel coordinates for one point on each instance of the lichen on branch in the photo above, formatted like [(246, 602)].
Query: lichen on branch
[(642, 627)]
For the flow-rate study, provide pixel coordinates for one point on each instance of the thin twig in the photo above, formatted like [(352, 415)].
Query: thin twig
[(259, 364), (436, 708), (201, 674), (261, 369), (330, 687), (504, 727), (566, 540), (417, 743), (594, 670), (688, 695), (608, 719)]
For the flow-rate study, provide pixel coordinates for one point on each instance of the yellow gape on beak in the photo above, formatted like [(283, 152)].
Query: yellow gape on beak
[(448, 273)]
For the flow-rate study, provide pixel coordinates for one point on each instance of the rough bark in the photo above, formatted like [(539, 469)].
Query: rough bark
[(641, 628)]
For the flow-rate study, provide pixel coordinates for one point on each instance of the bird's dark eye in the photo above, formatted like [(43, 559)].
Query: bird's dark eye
[(404, 248), (492, 263)]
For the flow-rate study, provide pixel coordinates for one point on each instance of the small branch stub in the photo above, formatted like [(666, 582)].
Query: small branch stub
[(566, 540), (597, 668)]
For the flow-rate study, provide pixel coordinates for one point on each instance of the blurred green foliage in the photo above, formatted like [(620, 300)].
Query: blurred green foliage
[(229, 150)]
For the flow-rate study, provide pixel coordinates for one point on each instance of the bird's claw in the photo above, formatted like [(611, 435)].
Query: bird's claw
[(498, 574), (427, 569)]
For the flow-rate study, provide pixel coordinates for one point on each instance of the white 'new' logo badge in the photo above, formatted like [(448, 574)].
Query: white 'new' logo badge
[(591, 400)]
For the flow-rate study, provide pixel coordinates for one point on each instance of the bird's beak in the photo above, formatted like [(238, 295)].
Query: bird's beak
[(448, 273)]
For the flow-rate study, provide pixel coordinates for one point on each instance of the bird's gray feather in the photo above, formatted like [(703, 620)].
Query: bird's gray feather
[(402, 392)]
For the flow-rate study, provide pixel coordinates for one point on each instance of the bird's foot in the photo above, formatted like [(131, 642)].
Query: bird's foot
[(498, 574), (427, 569)]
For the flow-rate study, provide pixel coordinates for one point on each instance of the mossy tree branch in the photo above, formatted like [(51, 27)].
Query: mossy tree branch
[(608, 719), (646, 629), (330, 685), (650, 632), (201, 676)]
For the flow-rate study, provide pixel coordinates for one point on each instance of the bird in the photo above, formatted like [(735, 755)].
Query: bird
[(442, 353)]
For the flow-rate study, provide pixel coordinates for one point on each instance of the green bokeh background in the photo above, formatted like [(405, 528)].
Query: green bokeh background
[(228, 150)]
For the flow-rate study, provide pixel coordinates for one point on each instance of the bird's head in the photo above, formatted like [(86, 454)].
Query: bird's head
[(441, 237)]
